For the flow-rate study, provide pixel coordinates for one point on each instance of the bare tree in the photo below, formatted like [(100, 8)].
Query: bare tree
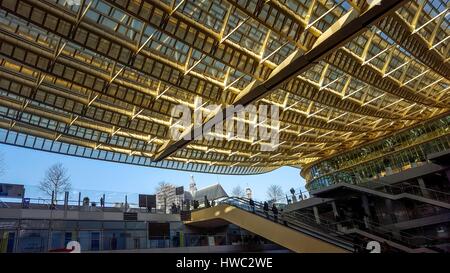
[(237, 191), (162, 194), (56, 180), (274, 193)]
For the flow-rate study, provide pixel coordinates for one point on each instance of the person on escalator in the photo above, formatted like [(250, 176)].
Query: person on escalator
[(252, 204), (266, 209), (275, 212)]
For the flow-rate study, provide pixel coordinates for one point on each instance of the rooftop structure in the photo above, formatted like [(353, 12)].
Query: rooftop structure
[(99, 78), (211, 192)]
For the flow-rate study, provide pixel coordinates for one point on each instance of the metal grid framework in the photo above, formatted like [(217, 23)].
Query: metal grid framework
[(100, 79)]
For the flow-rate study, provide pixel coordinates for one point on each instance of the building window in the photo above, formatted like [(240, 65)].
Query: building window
[(137, 243), (67, 237), (95, 241)]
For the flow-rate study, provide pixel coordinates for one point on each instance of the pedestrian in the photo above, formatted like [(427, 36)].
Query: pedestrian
[(207, 204), (173, 208), (252, 204), (266, 209), (275, 212)]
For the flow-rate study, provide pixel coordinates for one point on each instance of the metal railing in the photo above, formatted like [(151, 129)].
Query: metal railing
[(88, 200), (399, 237), (408, 188), (336, 230), (288, 220)]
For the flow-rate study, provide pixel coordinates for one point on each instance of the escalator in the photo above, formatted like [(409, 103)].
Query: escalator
[(353, 228), (286, 231), (302, 232)]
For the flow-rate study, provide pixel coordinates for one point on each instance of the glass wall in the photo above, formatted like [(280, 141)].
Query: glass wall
[(44, 235), (399, 152)]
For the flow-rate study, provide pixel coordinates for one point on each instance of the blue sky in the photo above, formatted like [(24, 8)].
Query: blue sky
[(27, 166)]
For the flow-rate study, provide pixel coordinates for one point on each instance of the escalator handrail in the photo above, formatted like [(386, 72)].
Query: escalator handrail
[(292, 223), (402, 188), (332, 225), (376, 226), (383, 234)]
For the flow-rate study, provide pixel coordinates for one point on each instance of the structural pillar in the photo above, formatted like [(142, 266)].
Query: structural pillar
[(395, 232), (335, 211), (447, 172), (316, 214), (365, 204), (423, 188), (126, 203), (389, 208), (336, 215)]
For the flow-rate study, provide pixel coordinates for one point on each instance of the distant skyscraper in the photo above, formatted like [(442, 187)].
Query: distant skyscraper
[(192, 186)]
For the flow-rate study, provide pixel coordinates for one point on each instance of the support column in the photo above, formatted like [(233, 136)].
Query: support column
[(365, 204), (395, 232), (316, 214), (389, 208), (423, 188), (447, 172), (17, 239), (335, 211), (337, 217), (79, 200)]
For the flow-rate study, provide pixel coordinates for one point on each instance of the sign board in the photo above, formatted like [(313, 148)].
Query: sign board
[(179, 190), (147, 201), (11, 190), (158, 230), (130, 216)]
